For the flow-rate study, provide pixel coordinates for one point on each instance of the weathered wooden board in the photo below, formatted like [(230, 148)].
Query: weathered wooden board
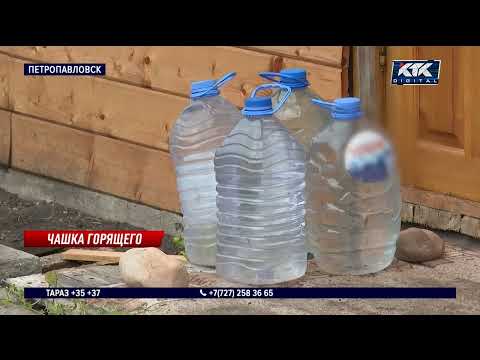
[(83, 276), (5, 71), (105, 107), (440, 212), (441, 201), (129, 171), (369, 80), (105, 133), (441, 219), (92, 255), (470, 226), (172, 68), (5, 121), (327, 55), (436, 219)]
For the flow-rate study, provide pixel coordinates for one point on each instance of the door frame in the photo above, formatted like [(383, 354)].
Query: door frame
[(371, 72)]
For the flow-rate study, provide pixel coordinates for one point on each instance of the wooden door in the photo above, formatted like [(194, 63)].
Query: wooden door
[(436, 129)]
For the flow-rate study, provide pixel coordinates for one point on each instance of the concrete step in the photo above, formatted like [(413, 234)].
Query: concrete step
[(14, 263)]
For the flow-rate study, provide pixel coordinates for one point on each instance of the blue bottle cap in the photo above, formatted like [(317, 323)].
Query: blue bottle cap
[(262, 105), (258, 104), (294, 78), (199, 87), (347, 108)]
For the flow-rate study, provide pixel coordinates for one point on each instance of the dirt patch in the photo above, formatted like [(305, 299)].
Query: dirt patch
[(17, 215)]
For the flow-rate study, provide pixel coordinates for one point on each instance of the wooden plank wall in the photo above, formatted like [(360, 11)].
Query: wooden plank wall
[(111, 133)]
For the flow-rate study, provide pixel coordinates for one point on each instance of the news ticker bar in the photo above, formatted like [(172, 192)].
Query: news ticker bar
[(92, 238), (244, 293)]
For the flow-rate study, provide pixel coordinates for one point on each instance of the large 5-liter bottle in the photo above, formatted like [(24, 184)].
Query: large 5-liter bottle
[(199, 130), (260, 172), (302, 118), (353, 200)]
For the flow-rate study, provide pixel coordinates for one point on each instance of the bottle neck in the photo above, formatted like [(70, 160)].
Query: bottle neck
[(297, 89), (259, 117), (204, 98), (352, 120)]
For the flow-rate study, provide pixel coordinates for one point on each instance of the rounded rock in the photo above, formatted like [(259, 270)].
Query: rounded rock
[(419, 245), (151, 267)]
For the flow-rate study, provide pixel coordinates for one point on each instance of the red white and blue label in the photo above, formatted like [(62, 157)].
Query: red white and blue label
[(369, 157)]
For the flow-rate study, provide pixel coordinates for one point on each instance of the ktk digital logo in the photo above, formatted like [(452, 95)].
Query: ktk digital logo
[(415, 72)]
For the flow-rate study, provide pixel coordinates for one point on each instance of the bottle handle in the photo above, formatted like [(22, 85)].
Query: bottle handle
[(324, 104), (225, 78), (281, 101), (276, 77), (272, 76), (219, 83)]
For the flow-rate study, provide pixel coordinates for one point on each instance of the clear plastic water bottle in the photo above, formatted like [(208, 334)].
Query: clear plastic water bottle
[(197, 133), (260, 172), (353, 201), (299, 115)]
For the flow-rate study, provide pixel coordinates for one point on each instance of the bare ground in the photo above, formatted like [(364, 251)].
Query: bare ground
[(17, 215)]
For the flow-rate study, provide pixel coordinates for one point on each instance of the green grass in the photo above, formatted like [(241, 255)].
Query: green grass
[(15, 296), (179, 244), (79, 307)]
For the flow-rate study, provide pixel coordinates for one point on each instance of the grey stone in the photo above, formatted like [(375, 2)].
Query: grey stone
[(81, 276), (14, 263), (419, 245), (55, 262)]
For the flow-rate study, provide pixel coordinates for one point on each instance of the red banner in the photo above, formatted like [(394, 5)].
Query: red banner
[(98, 238)]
